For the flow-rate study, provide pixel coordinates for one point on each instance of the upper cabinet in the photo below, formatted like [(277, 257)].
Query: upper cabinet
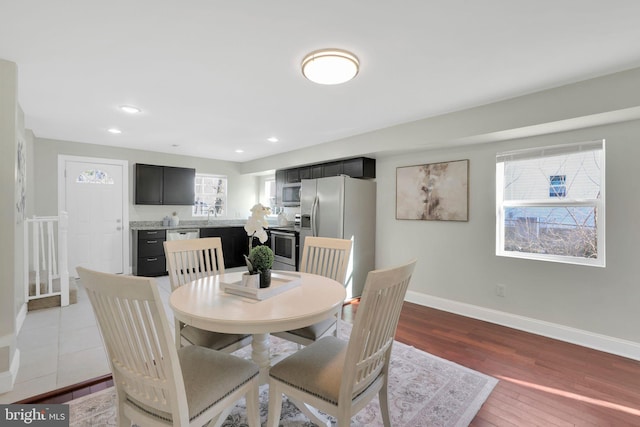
[(358, 167), (293, 175), (148, 184), (179, 186), (164, 185), (333, 169)]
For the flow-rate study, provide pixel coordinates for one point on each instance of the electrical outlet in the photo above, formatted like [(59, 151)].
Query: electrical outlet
[(501, 290)]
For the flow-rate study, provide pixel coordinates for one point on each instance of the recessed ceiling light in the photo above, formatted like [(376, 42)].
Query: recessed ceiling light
[(330, 66), (130, 109), (239, 151), (114, 131), (272, 139)]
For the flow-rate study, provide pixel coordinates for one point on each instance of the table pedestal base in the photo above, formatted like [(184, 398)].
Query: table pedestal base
[(260, 355)]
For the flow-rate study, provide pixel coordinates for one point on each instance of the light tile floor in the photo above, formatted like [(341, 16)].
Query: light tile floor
[(62, 346)]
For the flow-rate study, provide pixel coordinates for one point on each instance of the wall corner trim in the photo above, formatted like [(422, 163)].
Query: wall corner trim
[(568, 334), (21, 316), (8, 378)]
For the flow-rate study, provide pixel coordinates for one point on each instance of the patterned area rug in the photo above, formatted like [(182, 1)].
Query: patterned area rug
[(424, 390)]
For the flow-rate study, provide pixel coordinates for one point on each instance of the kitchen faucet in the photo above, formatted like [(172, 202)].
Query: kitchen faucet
[(215, 214)]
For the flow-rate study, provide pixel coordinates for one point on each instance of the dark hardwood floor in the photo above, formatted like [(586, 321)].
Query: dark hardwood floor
[(542, 382)]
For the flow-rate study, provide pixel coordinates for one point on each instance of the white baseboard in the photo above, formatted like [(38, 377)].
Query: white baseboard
[(8, 378), (620, 347), (22, 314)]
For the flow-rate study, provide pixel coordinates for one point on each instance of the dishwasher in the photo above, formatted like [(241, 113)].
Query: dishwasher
[(183, 234)]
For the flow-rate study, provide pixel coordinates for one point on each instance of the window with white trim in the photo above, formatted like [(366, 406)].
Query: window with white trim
[(550, 203), (211, 196), (269, 198)]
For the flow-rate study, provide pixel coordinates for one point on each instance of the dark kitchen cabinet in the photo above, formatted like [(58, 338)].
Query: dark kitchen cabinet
[(360, 167), (310, 172), (304, 172), (235, 244), (331, 169), (179, 186), (148, 253), (149, 179), (316, 171), (164, 185), (293, 175)]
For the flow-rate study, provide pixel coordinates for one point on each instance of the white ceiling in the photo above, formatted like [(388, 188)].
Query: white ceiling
[(215, 76)]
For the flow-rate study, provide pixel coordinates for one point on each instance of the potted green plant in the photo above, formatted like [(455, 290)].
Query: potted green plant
[(260, 261)]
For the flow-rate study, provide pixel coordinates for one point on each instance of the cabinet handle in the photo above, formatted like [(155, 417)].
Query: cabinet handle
[(152, 232), (151, 241), (152, 259)]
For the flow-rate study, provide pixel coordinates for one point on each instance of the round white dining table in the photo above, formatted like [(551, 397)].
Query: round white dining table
[(204, 304)]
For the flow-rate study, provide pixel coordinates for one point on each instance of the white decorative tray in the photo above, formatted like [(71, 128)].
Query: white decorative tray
[(281, 281)]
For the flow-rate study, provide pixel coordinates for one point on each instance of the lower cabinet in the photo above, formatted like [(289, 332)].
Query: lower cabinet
[(148, 249), (235, 244), (149, 259)]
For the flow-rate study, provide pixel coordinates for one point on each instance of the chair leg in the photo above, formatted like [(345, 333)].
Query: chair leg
[(253, 405), (275, 405), (343, 417), (178, 325), (384, 405), (312, 413), (123, 420)]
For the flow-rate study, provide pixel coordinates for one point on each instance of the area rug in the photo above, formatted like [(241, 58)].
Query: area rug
[(424, 390)]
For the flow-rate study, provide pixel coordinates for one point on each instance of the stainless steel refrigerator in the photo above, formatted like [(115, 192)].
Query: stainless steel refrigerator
[(345, 208)]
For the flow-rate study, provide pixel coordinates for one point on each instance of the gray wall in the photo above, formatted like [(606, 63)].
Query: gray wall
[(11, 275), (457, 261), (242, 188)]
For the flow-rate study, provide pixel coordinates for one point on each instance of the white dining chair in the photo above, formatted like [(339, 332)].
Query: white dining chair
[(189, 260), (155, 383), (328, 257), (340, 377)]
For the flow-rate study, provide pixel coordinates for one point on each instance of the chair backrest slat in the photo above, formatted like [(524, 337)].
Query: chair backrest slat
[(192, 259), (326, 257), (373, 331), (138, 340)]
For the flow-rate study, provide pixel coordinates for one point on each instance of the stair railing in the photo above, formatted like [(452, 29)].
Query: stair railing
[(45, 257)]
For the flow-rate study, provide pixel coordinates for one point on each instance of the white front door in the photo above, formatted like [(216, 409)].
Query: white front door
[(93, 195)]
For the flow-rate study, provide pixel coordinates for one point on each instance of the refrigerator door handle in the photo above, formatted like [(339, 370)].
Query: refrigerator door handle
[(314, 213)]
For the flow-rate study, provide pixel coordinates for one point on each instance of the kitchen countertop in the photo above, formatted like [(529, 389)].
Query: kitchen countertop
[(184, 225), (287, 228), (157, 225)]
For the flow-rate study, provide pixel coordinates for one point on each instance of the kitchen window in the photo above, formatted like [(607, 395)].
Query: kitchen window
[(550, 203), (211, 196)]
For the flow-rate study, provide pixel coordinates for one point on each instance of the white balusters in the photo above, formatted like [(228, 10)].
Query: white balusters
[(47, 256)]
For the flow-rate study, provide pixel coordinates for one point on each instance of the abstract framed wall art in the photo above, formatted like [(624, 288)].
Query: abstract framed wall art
[(435, 191)]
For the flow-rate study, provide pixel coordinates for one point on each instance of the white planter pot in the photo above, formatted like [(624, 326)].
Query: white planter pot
[(251, 280)]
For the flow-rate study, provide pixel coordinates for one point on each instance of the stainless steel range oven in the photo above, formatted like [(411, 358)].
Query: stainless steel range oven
[(285, 247)]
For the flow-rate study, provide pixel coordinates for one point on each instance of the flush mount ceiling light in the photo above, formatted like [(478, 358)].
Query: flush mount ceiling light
[(330, 66), (130, 109), (114, 131)]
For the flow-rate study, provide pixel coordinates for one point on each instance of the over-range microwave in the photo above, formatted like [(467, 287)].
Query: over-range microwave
[(291, 194)]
